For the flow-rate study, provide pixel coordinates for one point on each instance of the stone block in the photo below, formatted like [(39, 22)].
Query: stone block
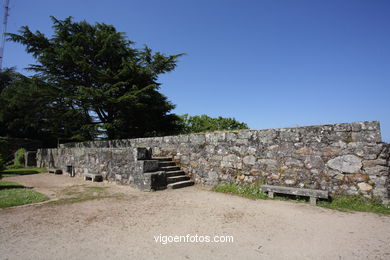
[(293, 162), (249, 160), (372, 163), (148, 165), (231, 136), (364, 186), (304, 151), (231, 158), (289, 136), (342, 127), (367, 137), (330, 151), (244, 134), (314, 162), (346, 163), (377, 170), (267, 136), (226, 164), (357, 177), (197, 139), (212, 177)]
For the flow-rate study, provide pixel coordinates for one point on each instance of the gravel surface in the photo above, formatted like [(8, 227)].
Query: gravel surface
[(125, 227)]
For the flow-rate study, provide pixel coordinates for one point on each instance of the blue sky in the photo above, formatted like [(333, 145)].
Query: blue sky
[(269, 63)]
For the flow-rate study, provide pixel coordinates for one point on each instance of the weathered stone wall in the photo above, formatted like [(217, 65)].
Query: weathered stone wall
[(126, 166), (340, 158)]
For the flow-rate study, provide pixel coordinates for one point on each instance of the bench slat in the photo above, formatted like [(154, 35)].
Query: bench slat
[(296, 191)]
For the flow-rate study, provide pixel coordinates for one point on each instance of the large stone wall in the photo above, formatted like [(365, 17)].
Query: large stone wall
[(340, 158)]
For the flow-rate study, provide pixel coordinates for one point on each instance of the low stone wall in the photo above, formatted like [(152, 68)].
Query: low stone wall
[(126, 166), (340, 158)]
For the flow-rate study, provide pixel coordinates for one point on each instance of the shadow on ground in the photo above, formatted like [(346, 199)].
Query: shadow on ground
[(9, 187), (19, 172)]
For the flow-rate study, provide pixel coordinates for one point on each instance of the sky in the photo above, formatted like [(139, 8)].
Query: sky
[(268, 63)]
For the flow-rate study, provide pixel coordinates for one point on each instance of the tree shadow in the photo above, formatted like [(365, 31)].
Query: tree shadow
[(16, 172), (9, 187)]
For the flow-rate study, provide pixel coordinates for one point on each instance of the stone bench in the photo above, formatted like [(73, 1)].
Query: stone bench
[(55, 171), (313, 194), (93, 177)]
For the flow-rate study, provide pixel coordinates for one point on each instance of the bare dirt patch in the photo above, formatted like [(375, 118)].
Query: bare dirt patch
[(120, 222)]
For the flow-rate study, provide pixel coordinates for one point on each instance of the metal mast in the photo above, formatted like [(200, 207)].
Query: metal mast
[(4, 31)]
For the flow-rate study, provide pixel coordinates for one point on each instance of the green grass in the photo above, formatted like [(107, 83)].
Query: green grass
[(356, 203), (81, 193), (14, 194), (96, 188), (21, 171), (342, 203), (248, 191)]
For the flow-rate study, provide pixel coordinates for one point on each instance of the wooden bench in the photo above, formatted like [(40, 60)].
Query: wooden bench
[(93, 177), (313, 194), (55, 171)]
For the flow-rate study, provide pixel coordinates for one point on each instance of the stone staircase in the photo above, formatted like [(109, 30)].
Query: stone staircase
[(176, 178)]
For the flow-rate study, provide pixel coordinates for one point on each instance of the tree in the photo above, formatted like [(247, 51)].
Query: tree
[(96, 71), (30, 108), (6, 77), (204, 123)]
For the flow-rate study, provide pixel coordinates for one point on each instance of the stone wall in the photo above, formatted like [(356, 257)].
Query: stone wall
[(126, 166), (340, 158)]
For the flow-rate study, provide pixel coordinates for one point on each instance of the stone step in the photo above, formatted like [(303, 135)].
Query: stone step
[(170, 168), (180, 184), (178, 178), (162, 159), (175, 173), (166, 163)]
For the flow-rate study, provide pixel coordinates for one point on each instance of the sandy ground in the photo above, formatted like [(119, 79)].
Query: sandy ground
[(125, 228)]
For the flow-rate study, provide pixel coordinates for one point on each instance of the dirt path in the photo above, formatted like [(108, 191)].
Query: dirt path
[(124, 227)]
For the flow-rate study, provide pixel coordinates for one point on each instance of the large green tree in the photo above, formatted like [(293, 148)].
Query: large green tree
[(31, 108), (96, 71), (204, 123)]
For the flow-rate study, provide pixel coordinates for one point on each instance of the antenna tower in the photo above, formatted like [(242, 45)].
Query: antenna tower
[(4, 31)]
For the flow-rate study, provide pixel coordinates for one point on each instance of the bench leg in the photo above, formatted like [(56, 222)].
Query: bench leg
[(271, 194), (313, 201)]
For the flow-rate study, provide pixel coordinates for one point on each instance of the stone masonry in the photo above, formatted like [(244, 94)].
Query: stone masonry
[(341, 158)]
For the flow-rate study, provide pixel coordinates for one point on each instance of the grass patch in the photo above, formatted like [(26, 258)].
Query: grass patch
[(355, 203), (81, 193), (96, 188), (14, 194), (342, 203), (21, 171), (247, 191)]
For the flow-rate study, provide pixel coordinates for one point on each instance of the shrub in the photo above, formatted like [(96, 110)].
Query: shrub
[(19, 158)]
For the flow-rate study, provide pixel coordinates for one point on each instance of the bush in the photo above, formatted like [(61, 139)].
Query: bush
[(19, 158)]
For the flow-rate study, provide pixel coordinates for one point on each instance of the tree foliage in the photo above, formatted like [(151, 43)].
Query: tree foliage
[(2, 165), (204, 123), (93, 72), (31, 108)]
